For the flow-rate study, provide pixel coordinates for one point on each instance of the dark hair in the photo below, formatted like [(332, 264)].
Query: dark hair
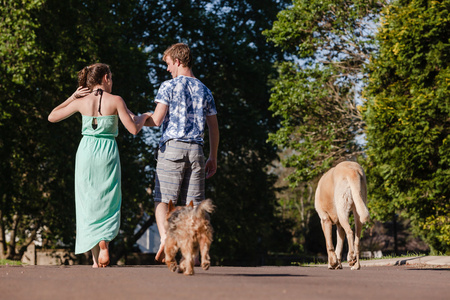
[(181, 52), (92, 75)]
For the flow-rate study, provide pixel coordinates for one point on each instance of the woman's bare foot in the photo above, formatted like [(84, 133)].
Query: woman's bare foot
[(95, 251), (159, 257), (103, 257)]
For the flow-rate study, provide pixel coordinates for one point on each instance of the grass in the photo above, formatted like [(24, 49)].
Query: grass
[(7, 262)]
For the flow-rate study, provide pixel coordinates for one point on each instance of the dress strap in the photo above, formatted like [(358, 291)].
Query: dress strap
[(99, 91)]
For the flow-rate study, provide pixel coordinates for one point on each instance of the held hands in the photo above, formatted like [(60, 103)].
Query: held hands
[(140, 120), (80, 92)]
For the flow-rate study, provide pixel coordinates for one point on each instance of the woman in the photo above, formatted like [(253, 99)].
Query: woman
[(98, 193)]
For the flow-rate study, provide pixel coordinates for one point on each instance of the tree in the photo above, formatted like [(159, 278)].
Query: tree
[(234, 61), (408, 119), (45, 44), (17, 52), (327, 45)]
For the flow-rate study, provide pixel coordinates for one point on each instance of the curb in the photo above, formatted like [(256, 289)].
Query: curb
[(436, 261)]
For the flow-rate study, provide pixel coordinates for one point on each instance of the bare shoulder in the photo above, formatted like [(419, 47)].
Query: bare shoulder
[(115, 98)]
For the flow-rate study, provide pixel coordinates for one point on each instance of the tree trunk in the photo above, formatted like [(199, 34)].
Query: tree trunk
[(2, 237), (11, 253)]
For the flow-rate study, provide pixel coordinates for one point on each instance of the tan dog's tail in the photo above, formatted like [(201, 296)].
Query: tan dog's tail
[(359, 194), (205, 206)]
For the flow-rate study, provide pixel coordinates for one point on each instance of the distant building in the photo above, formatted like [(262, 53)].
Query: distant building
[(149, 241)]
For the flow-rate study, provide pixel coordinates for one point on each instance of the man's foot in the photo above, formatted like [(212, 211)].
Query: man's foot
[(160, 256), (103, 257)]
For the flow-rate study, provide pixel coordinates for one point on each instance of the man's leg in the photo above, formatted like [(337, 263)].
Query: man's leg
[(169, 177), (160, 216)]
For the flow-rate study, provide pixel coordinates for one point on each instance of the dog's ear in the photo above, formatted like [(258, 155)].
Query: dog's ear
[(171, 206), (191, 204)]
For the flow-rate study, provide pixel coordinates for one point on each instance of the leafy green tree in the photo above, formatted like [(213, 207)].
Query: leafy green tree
[(327, 45), (234, 61), (408, 119), (44, 44), (17, 52)]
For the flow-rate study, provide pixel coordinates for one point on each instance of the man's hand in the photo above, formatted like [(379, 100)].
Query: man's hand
[(210, 167)]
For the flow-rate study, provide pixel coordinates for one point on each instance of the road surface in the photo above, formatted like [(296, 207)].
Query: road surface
[(157, 282)]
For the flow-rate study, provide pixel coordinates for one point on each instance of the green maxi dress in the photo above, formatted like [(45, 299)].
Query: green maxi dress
[(98, 194)]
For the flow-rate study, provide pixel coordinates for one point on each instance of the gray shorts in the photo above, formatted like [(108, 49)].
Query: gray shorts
[(180, 173)]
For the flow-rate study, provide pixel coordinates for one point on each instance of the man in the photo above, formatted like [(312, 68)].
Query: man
[(184, 104)]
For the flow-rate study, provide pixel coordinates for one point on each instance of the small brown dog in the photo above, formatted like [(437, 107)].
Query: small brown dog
[(340, 191), (188, 229)]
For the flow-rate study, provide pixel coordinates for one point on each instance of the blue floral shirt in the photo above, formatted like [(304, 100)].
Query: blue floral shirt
[(189, 102)]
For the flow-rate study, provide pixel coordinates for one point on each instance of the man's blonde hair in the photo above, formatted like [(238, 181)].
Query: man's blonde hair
[(181, 52)]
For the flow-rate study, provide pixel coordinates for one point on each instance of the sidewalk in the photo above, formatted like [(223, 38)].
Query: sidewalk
[(442, 261)]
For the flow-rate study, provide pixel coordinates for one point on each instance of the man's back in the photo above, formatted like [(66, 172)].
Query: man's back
[(189, 101)]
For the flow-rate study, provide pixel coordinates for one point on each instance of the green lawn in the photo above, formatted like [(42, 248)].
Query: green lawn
[(4, 262)]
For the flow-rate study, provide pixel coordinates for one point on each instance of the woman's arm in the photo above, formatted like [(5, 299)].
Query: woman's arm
[(131, 122), (68, 107)]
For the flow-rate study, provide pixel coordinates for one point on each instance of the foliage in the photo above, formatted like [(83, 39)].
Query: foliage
[(7, 262), (234, 61), (408, 119), (17, 52), (327, 44), (45, 44)]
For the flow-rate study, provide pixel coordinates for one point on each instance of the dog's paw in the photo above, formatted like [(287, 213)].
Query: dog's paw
[(172, 266), (182, 266), (334, 264), (205, 265), (352, 262), (351, 258), (357, 266)]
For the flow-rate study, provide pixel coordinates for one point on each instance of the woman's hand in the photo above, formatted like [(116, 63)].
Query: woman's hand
[(140, 120), (81, 92)]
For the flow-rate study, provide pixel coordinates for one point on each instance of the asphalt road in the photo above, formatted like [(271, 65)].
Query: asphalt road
[(157, 282)]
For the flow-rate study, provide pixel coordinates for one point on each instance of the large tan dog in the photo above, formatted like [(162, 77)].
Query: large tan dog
[(341, 190)]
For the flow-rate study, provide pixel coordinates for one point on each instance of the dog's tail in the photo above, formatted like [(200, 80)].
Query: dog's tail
[(359, 194), (206, 206)]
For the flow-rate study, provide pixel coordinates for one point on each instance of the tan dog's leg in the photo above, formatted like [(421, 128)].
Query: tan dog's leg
[(188, 255), (205, 244), (187, 264), (340, 244), (358, 228), (327, 227), (343, 219), (170, 250)]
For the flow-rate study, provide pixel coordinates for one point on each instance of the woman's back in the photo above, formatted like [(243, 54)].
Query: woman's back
[(98, 104)]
